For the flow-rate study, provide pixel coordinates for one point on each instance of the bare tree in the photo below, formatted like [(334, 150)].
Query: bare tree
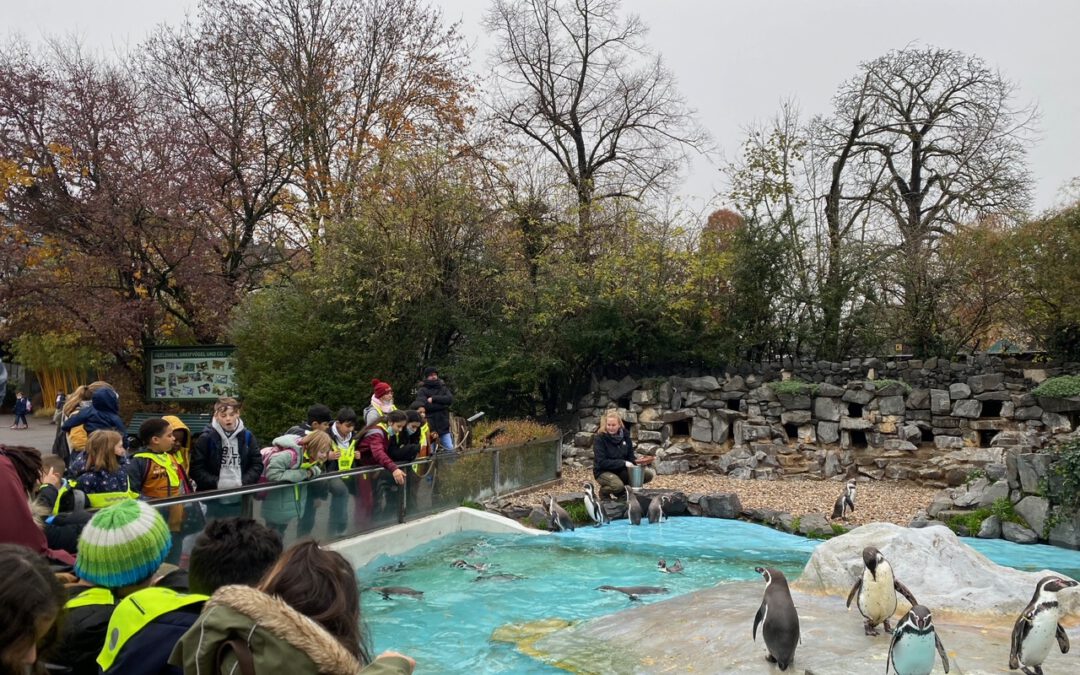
[(943, 128), (576, 78)]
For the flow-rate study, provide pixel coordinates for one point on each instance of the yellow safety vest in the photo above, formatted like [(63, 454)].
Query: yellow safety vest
[(422, 469), (348, 455), (66, 486), (100, 500), (137, 610), (91, 596), (161, 460)]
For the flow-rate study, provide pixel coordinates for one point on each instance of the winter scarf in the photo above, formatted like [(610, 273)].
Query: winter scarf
[(230, 445), (379, 405)]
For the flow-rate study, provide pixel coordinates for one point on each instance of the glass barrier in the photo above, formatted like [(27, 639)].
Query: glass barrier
[(346, 504)]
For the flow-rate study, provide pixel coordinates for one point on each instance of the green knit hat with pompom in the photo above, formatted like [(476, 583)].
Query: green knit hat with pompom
[(123, 544)]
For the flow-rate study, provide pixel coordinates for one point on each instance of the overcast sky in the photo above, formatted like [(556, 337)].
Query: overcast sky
[(737, 60)]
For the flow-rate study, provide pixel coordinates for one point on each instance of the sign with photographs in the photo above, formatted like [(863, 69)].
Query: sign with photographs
[(189, 373)]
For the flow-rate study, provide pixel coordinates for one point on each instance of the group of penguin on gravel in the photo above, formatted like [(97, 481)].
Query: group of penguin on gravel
[(914, 645)]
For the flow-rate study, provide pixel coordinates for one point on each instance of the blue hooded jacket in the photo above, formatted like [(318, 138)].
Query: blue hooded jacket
[(102, 414)]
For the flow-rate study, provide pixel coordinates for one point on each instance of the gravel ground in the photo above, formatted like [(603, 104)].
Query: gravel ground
[(875, 501)]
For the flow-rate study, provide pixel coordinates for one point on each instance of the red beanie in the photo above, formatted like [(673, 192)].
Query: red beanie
[(381, 388)]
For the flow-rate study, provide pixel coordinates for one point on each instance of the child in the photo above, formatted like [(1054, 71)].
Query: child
[(22, 407), (101, 414), (225, 456), (31, 600), (291, 459), (61, 506), (120, 549), (183, 438), (156, 472), (20, 476), (105, 480), (382, 402), (319, 418)]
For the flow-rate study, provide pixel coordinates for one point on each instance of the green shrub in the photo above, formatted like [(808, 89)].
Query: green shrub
[(974, 475), (1059, 387), (1004, 510), (1064, 487), (968, 523), (577, 512), (793, 388), (469, 504)]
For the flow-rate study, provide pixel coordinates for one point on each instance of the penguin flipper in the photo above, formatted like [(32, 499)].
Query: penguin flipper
[(1062, 639), (854, 592), (757, 620), (903, 590), (941, 652), (1020, 631)]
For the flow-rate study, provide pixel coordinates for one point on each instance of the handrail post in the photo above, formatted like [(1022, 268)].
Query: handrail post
[(402, 494), (495, 469)]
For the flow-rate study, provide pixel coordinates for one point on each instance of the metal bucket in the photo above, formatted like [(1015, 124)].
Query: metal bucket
[(637, 476)]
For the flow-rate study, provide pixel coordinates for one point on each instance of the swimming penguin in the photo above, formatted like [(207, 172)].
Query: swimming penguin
[(560, 519), (404, 591), (633, 592), (674, 568), (656, 509), (911, 651), (1038, 627), (876, 591), (633, 507), (778, 619), (594, 507), (845, 502)]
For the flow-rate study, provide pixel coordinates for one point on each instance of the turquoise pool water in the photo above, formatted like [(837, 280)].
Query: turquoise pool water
[(449, 630)]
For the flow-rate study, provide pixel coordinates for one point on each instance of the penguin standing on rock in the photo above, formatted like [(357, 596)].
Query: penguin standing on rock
[(876, 591), (560, 519), (633, 507), (1037, 627), (593, 506), (845, 502), (778, 619), (911, 651), (656, 509)]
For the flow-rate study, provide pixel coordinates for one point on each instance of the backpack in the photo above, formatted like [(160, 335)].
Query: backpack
[(268, 454), (29, 406)]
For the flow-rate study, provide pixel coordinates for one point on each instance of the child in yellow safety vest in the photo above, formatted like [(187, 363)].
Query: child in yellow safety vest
[(105, 480), (156, 472)]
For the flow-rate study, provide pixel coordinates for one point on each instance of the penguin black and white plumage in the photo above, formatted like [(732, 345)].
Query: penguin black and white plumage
[(778, 619), (656, 509), (675, 568), (845, 502), (876, 591), (1037, 627), (560, 519), (593, 506), (633, 507), (914, 641)]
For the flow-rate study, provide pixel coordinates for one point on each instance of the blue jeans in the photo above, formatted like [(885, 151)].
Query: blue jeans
[(447, 441)]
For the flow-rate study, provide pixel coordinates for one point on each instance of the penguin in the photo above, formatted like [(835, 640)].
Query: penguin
[(778, 619), (911, 651), (633, 507), (1037, 627), (594, 507), (560, 519), (845, 502), (656, 509), (675, 568), (876, 591)]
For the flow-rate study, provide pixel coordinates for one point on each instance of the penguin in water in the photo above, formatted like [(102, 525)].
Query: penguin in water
[(633, 507), (911, 651), (778, 619), (876, 591), (594, 507), (560, 520), (675, 568), (656, 509), (1037, 627), (845, 502)]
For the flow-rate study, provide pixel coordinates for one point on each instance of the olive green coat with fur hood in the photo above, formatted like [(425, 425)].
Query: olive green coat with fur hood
[(281, 639)]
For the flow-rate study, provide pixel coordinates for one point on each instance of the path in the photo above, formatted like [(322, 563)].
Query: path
[(40, 435)]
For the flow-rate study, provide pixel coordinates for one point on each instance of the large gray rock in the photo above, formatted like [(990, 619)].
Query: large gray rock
[(828, 432), (814, 525), (1056, 423), (919, 399), (967, 408), (1032, 412), (973, 494), (830, 390), (707, 383), (1066, 531), (980, 383), (672, 467), (795, 401), (622, 388), (701, 430), (942, 572), (832, 464), (856, 423), (995, 491), (940, 404), (1034, 510), (891, 405), (795, 417), (1018, 534), (858, 396), (720, 429), (959, 390), (1033, 468), (827, 409), (990, 528), (948, 442), (721, 505)]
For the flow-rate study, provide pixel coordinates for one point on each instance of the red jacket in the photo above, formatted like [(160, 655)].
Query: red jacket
[(373, 448), (18, 525)]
